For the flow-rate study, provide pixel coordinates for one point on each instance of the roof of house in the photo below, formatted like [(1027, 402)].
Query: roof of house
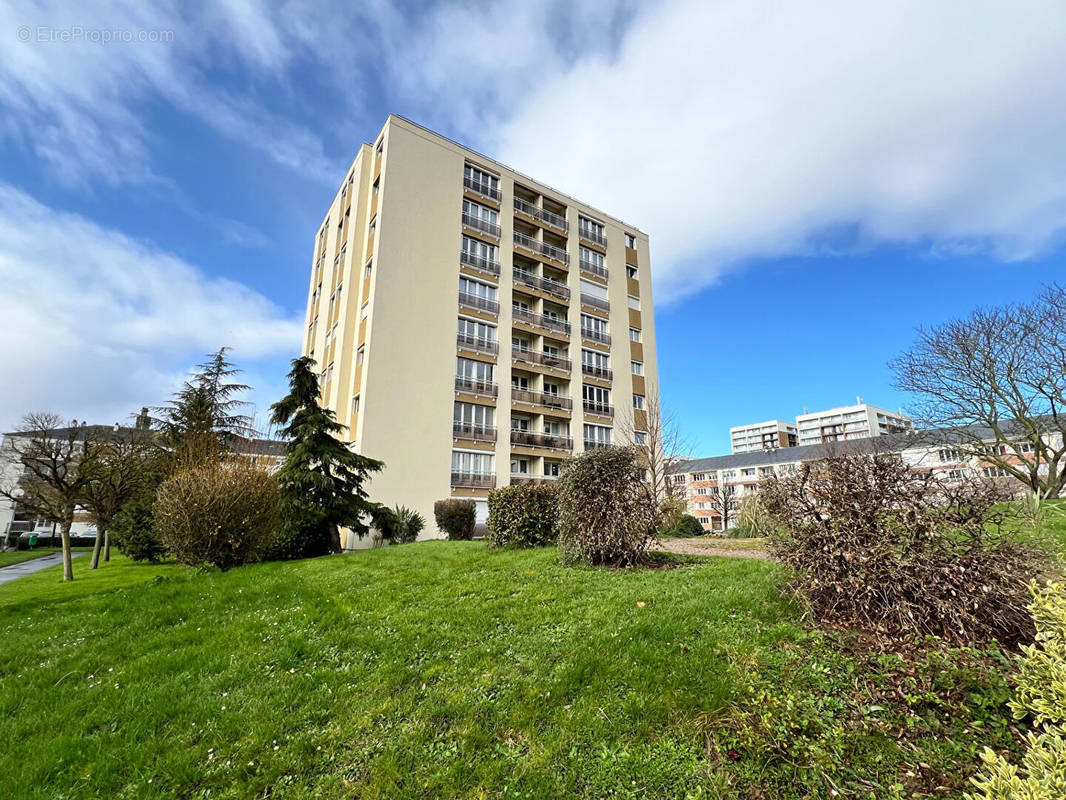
[(271, 447)]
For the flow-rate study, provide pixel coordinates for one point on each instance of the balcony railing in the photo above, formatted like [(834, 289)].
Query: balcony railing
[(470, 342), (478, 224), (477, 433), (595, 336), (592, 444), (541, 248), (474, 386), (477, 301), (479, 262), (524, 477), (592, 268), (529, 356), (541, 320), (541, 399), (600, 409), (483, 188), (595, 302), (593, 236), (597, 372), (473, 480), (554, 288), (547, 217), (548, 440)]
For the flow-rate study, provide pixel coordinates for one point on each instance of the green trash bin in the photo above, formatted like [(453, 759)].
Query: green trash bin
[(33, 540)]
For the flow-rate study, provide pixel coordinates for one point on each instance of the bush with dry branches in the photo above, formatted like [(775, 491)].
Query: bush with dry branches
[(880, 546)]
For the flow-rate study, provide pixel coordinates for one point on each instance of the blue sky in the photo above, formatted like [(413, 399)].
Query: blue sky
[(816, 182)]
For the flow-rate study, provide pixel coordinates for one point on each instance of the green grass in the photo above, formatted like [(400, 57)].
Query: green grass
[(18, 556), (444, 669)]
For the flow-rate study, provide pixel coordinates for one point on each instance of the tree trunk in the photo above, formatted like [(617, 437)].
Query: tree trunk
[(64, 535), (107, 546), (100, 533), (335, 538)]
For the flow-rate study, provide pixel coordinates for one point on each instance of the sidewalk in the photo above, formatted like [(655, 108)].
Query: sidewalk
[(15, 571)]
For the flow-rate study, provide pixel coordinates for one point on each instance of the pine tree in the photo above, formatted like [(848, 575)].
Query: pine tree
[(322, 479)]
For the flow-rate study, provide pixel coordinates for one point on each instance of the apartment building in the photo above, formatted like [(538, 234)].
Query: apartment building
[(842, 424), (763, 436), (472, 326)]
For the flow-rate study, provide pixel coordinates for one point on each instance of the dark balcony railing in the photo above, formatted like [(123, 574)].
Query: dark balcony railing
[(541, 320), (483, 188), (591, 235), (479, 262), (473, 480), (541, 399), (541, 248), (474, 386), (477, 301), (592, 444), (595, 336), (547, 217), (477, 433), (600, 409), (522, 477), (595, 302), (554, 288), (528, 356), (597, 372), (551, 441), (593, 269), (478, 224), (470, 342)]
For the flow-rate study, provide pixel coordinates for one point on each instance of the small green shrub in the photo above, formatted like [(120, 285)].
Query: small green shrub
[(455, 518), (522, 515), (133, 531), (687, 527), (753, 520), (400, 525)]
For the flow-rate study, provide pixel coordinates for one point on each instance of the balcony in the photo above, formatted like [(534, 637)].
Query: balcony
[(469, 342), (529, 356), (592, 444), (473, 480), (590, 268), (596, 336), (483, 188), (480, 303), (541, 399), (484, 226), (479, 263), (599, 409), (525, 477), (547, 440), (541, 248), (541, 320), (541, 214), (474, 386), (595, 302), (592, 236), (476, 433), (554, 288), (597, 372)]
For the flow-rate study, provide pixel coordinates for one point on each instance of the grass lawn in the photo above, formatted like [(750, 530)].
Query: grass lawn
[(18, 556), (444, 669)]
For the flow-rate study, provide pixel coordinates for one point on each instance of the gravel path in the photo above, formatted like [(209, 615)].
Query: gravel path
[(704, 547)]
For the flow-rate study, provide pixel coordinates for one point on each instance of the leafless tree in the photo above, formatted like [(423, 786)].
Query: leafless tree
[(658, 436), (998, 379), (723, 501), (55, 472)]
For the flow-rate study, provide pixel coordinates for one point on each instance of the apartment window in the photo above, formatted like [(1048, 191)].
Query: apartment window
[(474, 415), (375, 188), (551, 389), (596, 396), (701, 490), (519, 466), (553, 427), (476, 329), (479, 249), (551, 469), (355, 404), (590, 229), (637, 367), (700, 476), (466, 462), (949, 455), (634, 303), (482, 181), (634, 335), (593, 325), (995, 472), (597, 361), (679, 480), (748, 473), (631, 241), (480, 212), (598, 434), (380, 147), (638, 401), (640, 437), (364, 311), (483, 290), (360, 354), (369, 266), (631, 271), (591, 257), (593, 289), (704, 520), (521, 424), (339, 289), (471, 370), (373, 226)]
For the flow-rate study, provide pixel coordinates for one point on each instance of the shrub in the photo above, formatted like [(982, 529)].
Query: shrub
[(133, 530), (522, 515), (687, 527), (400, 525), (604, 513), (672, 508), (456, 518), (221, 513), (1041, 694), (877, 545), (753, 521)]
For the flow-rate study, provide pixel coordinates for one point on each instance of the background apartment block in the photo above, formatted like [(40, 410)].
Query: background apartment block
[(474, 327), (849, 422), (763, 436)]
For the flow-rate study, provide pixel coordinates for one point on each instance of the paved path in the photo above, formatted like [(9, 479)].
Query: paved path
[(704, 547), (15, 571)]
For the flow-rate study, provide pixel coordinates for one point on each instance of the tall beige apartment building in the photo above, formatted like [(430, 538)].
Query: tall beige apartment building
[(472, 326)]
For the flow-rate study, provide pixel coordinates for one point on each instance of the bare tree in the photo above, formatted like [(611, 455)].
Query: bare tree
[(723, 501), (55, 471), (997, 378), (658, 436)]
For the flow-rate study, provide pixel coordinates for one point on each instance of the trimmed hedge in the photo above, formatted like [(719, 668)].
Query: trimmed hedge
[(687, 527), (455, 517), (522, 515)]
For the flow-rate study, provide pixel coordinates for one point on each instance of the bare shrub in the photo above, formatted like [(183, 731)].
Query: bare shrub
[(880, 546), (604, 513), (217, 512)]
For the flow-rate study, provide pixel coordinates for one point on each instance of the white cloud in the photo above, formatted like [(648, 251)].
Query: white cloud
[(97, 324)]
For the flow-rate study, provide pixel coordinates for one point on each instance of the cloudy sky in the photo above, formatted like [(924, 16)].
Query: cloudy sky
[(817, 179)]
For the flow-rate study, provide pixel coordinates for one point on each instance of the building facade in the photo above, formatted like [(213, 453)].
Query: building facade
[(763, 436), (473, 327), (846, 423)]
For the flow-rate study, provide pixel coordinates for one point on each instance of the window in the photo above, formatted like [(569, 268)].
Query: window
[(594, 360), (596, 398), (481, 181), (638, 402), (704, 520), (597, 434), (631, 241), (591, 258), (463, 461), (471, 370), (381, 147), (368, 268), (631, 271), (551, 389), (634, 303), (476, 249), (551, 469), (360, 354), (595, 326), (634, 335), (476, 329), (483, 290), (748, 473), (364, 311), (637, 367), (373, 226), (702, 490), (995, 472), (593, 289), (473, 415), (520, 423), (949, 455), (355, 404), (640, 437), (479, 212), (519, 466), (591, 230), (679, 480)]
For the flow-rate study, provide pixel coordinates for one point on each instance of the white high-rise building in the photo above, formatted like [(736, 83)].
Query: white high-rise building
[(859, 421), (763, 436)]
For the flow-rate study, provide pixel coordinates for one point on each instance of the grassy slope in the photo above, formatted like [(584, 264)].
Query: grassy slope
[(430, 670), (18, 556)]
